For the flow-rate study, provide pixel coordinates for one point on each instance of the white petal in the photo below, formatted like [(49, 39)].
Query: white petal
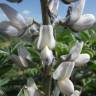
[(64, 57), (15, 18), (47, 56), (46, 37), (23, 61), (53, 6), (85, 21), (64, 70), (32, 88), (76, 93), (75, 51), (77, 11), (23, 56), (66, 86), (82, 59), (22, 51), (8, 29), (19, 61)]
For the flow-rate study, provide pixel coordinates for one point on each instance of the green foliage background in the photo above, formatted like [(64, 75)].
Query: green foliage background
[(13, 77)]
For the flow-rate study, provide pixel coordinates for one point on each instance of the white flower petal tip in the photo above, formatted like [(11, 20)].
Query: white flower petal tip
[(66, 86), (47, 56), (76, 93), (32, 88), (82, 59), (53, 6), (64, 70), (64, 57), (46, 37), (76, 50)]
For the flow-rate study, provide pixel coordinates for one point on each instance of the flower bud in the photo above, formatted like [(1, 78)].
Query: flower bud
[(76, 93), (47, 56), (75, 51), (82, 59), (46, 37), (32, 88), (64, 70), (66, 86)]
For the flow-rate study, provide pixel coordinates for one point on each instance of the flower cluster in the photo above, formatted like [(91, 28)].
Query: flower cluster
[(17, 27), (76, 20), (64, 70), (46, 43)]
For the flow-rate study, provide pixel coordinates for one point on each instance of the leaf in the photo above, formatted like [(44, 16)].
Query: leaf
[(56, 91), (4, 81)]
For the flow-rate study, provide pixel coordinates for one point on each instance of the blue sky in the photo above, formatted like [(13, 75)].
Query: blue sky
[(31, 8)]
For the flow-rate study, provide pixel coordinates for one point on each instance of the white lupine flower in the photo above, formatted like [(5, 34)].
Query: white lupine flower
[(74, 12), (19, 60), (23, 52), (82, 59), (53, 6), (84, 22), (47, 56), (46, 37), (15, 18), (66, 86), (77, 21), (76, 93), (76, 50), (77, 11), (22, 58), (32, 88), (17, 26), (64, 70), (7, 29)]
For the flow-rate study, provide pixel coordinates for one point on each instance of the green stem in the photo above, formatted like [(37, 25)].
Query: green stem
[(44, 9)]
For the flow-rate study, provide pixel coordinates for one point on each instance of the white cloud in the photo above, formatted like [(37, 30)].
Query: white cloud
[(26, 12), (3, 16)]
